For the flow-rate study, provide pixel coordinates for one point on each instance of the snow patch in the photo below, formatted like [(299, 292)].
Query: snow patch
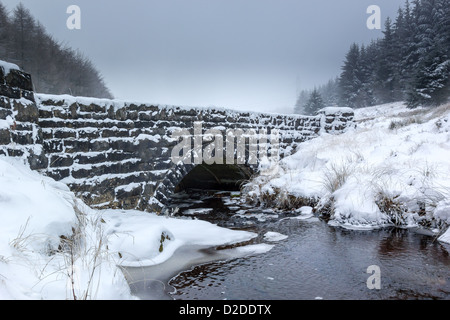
[(198, 211), (38, 213), (7, 66), (254, 248), (274, 236), (393, 168)]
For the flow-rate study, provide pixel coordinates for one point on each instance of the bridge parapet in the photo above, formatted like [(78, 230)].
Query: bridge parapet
[(335, 119)]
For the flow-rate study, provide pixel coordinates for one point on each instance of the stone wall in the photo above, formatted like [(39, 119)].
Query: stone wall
[(20, 134), (335, 120), (118, 155), (15, 84)]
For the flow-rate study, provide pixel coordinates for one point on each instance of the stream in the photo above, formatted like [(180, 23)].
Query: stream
[(312, 261)]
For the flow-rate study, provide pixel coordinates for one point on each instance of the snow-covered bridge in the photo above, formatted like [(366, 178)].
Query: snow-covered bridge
[(120, 154)]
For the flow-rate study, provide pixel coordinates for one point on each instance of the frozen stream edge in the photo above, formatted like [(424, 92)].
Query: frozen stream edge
[(184, 259)]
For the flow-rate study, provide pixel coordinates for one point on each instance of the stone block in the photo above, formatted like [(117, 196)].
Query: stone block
[(77, 145), (45, 114), (82, 173), (53, 146), (26, 112), (88, 134), (64, 134), (5, 136), (19, 79), (38, 161), (92, 108), (59, 174), (61, 161), (4, 113), (119, 155), (90, 159), (100, 145), (22, 138)]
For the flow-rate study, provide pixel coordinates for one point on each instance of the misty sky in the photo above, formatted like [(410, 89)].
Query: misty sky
[(241, 54)]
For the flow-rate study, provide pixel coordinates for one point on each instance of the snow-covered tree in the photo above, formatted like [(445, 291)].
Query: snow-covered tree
[(430, 84), (386, 77), (55, 69), (315, 103), (4, 25), (329, 93), (350, 83), (411, 62), (301, 102)]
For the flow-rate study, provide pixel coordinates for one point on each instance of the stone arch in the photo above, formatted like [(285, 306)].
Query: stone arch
[(202, 176)]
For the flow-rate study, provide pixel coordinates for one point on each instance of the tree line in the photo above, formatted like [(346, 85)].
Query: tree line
[(410, 63), (55, 68)]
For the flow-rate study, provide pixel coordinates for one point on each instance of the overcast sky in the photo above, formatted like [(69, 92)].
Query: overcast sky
[(241, 54)]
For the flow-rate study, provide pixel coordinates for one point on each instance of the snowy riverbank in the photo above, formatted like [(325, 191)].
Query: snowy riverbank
[(392, 169), (52, 246)]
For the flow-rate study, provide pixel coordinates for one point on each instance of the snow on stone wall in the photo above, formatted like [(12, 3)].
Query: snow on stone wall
[(15, 83)]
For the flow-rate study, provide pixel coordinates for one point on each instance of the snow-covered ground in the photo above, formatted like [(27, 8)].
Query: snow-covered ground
[(53, 246), (393, 168)]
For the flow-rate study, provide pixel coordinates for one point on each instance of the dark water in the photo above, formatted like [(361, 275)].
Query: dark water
[(316, 261)]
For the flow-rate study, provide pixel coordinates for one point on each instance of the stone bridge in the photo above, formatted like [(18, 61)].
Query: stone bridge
[(117, 154)]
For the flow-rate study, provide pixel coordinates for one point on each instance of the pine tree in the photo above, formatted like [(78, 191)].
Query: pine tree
[(55, 69), (23, 31), (411, 62), (301, 102), (386, 79), (444, 24), (330, 92), (315, 103), (402, 38), (350, 83), (367, 65), (4, 29), (430, 84)]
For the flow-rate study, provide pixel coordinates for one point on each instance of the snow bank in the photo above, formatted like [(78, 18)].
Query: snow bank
[(7, 66), (394, 168), (34, 204), (445, 237), (443, 212), (36, 214), (335, 110), (145, 239), (53, 246)]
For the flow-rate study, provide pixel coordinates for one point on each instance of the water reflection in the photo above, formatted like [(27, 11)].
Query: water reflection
[(316, 260)]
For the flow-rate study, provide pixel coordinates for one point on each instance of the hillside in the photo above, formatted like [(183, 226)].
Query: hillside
[(55, 67), (392, 169)]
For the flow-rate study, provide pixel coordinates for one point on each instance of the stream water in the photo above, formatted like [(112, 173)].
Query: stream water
[(315, 261)]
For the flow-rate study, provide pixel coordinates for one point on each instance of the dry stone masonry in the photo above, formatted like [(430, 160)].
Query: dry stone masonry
[(118, 154)]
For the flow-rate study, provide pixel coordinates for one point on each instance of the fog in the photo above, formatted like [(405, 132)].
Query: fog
[(242, 54)]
